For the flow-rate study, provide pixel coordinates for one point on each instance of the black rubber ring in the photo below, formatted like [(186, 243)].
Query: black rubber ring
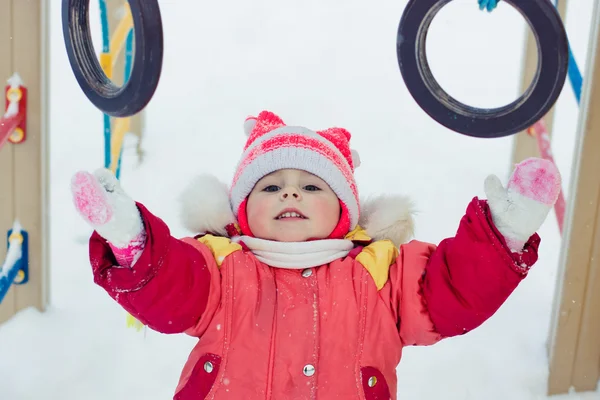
[(531, 106), (132, 97)]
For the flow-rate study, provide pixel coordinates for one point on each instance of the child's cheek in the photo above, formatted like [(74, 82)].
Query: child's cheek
[(319, 206), (326, 211), (258, 215)]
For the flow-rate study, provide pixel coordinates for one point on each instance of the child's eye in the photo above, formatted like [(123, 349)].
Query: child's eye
[(311, 188), (271, 188)]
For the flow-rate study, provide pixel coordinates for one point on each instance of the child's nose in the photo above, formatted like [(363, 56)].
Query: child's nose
[(290, 191)]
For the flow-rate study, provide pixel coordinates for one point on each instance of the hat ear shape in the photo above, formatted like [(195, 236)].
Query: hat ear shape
[(336, 131), (266, 121), (344, 132), (249, 124), (355, 158)]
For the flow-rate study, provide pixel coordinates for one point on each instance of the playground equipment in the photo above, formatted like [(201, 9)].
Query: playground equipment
[(12, 124), (574, 337), (135, 94), (574, 340), (23, 148), (16, 265), (532, 105), (23, 157), (116, 60)]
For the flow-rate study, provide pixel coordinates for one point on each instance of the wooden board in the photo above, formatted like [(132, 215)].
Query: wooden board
[(574, 344), (524, 146), (7, 306), (23, 30), (27, 62)]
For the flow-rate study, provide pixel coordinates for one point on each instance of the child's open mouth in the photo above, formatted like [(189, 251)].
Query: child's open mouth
[(290, 214)]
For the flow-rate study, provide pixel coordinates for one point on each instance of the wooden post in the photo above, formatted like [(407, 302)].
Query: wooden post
[(574, 343), (7, 307), (524, 146), (23, 166)]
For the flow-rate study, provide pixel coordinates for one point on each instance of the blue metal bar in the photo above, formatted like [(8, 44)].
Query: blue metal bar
[(127, 74), (118, 172), (107, 137), (575, 77), (105, 49), (17, 273), (105, 30), (128, 55), (574, 73)]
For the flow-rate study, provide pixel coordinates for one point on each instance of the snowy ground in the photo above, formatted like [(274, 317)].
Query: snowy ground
[(318, 64)]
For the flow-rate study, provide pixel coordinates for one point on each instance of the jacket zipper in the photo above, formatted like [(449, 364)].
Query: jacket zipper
[(272, 346)]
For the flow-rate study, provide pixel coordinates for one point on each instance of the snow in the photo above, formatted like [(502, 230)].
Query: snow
[(12, 109), (318, 64), (15, 80)]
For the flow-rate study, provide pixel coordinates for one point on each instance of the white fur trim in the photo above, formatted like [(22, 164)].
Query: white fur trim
[(205, 206), (388, 217)]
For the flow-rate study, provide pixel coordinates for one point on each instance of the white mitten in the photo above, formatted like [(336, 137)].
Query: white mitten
[(519, 210), (102, 202)]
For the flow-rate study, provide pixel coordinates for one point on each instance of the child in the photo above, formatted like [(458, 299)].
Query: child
[(294, 289)]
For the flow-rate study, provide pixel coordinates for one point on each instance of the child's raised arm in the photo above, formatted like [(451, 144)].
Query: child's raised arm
[(168, 284), (451, 289)]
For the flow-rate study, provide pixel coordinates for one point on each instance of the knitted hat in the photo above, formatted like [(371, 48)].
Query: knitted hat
[(272, 146), (210, 206)]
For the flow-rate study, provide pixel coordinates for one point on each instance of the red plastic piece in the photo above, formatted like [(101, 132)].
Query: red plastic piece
[(13, 128)]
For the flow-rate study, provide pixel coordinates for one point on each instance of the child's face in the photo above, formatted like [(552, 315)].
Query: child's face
[(291, 205)]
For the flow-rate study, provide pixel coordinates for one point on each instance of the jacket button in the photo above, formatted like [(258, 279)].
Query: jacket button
[(307, 272), (208, 367), (309, 370), (372, 381)]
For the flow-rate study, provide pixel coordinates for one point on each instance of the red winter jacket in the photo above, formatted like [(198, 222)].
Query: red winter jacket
[(322, 333)]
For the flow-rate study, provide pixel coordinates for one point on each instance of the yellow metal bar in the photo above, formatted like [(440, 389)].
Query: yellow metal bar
[(116, 141), (106, 62), (117, 41)]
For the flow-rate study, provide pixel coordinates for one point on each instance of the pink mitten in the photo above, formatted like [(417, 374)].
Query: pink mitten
[(101, 201), (519, 210)]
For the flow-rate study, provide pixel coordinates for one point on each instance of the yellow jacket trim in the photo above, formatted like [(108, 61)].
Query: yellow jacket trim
[(219, 246), (358, 234), (377, 258)]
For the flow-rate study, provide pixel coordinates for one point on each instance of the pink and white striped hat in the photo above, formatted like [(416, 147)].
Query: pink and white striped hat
[(272, 146)]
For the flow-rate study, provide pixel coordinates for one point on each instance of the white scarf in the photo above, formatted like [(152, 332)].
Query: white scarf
[(297, 255)]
